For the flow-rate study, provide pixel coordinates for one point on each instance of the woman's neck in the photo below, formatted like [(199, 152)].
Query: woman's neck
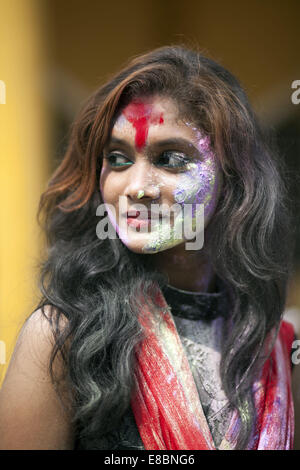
[(187, 270)]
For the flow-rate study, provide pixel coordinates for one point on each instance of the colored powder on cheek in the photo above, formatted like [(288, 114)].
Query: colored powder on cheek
[(196, 186), (161, 239), (141, 115), (204, 144)]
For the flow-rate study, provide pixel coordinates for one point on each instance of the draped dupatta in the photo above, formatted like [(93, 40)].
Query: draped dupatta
[(166, 404)]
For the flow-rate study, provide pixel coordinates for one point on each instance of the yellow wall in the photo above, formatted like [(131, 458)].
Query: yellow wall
[(23, 163)]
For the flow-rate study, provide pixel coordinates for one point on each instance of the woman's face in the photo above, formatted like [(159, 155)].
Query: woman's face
[(154, 159)]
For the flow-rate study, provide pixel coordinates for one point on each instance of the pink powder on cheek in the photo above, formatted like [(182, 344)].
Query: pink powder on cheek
[(141, 116), (204, 144)]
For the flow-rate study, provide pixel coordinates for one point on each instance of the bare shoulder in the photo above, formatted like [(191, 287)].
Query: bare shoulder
[(35, 343), (31, 414), (40, 321)]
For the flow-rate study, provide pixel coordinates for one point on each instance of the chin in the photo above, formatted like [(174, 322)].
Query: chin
[(150, 246), (134, 244)]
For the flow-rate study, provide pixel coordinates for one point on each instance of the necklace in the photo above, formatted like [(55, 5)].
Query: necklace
[(197, 305)]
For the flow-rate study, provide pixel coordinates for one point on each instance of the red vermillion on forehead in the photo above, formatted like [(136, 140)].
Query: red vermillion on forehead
[(141, 115)]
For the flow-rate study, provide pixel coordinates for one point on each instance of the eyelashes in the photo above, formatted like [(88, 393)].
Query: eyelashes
[(172, 160), (117, 159), (167, 159)]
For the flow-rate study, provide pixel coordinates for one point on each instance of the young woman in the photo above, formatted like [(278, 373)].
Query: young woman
[(160, 322)]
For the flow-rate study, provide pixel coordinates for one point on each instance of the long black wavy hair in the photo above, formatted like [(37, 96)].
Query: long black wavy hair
[(93, 283)]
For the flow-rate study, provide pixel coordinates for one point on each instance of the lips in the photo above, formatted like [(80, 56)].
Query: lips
[(144, 215), (144, 218), (139, 215), (133, 214)]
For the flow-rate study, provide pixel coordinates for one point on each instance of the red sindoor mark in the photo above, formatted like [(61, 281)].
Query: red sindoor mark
[(141, 116)]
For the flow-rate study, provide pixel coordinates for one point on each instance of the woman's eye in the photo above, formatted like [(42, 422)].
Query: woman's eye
[(116, 159), (172, 160), (168, 159)]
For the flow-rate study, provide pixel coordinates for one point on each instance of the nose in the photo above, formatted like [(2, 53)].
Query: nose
[(142, 183)]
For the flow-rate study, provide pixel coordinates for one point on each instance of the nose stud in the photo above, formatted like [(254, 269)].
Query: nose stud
[(140, 194)]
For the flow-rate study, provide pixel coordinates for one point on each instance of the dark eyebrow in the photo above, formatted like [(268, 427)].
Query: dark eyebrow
[(116, 141), (179, 142)]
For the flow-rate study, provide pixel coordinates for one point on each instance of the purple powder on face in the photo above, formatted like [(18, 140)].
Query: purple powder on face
[(204, 144), (196, 185)]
